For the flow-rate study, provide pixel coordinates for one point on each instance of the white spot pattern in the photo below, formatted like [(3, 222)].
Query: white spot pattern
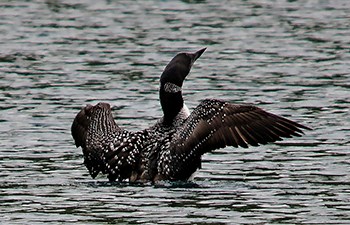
[(174, 152), (171, 88)]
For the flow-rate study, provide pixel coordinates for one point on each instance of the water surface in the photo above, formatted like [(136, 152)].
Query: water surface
[(289, 57)]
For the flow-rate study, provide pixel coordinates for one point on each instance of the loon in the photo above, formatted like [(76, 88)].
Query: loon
[(172, 148)]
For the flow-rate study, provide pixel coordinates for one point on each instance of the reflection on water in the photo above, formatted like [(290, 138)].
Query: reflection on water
[(291, 58)]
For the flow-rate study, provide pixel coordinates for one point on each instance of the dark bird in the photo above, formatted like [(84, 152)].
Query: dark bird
[(172, 148)]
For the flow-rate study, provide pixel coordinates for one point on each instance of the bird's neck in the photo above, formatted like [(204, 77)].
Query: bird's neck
[(171, 101)]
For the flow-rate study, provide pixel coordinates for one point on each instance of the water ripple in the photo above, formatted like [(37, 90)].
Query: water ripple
[(289, 57)]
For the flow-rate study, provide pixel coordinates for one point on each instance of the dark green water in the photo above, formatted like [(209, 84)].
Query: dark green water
[(289, 57)]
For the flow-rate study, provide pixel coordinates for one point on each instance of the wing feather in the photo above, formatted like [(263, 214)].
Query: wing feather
[(80, 126), (216, 124)]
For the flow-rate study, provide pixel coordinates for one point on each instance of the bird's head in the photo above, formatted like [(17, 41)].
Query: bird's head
[(179, 67)]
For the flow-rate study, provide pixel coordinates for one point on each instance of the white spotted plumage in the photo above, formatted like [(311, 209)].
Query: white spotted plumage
[(172, 148)]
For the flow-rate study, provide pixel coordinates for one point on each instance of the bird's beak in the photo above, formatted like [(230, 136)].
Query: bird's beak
[(197, 54)]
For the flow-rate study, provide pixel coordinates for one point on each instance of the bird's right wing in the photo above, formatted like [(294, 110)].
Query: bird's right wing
[(216, 124)]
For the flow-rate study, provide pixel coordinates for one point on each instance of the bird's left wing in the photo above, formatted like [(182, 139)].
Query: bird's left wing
[(216, 124)]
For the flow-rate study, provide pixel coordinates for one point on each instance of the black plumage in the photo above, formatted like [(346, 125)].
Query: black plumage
[(172, 148)]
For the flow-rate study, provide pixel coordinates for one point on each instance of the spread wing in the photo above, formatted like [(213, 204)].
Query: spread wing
[(80, 126), (123, 156), (216, 124), (79, 129)]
